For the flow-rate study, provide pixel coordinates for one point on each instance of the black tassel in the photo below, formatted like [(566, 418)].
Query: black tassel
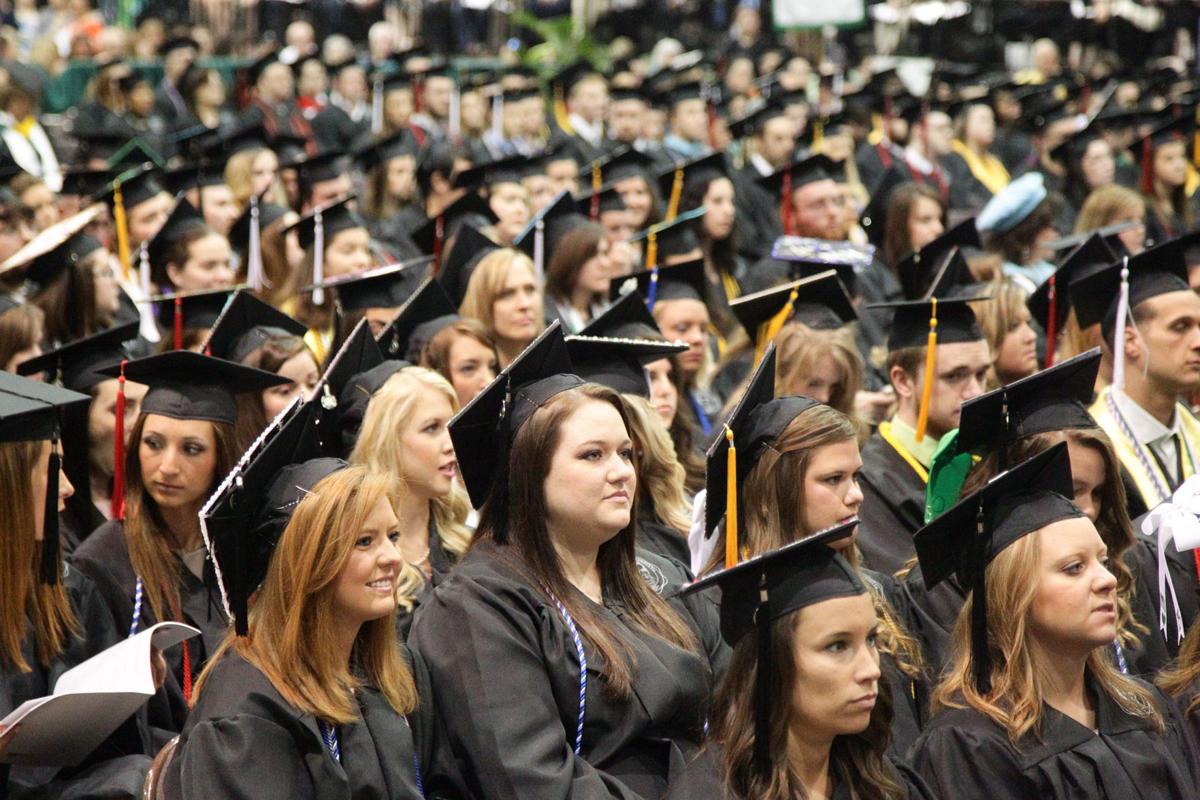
[(499, 499), (51, 566), (1002, 450), (238, 590), (762, 689), (980, 657)]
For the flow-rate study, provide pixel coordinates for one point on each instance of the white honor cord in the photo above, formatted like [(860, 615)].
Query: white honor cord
[(1118, 344), (318, 295), (1177, 520)]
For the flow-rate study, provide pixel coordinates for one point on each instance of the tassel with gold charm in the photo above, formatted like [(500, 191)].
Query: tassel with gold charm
[(731, 506), (930, 366)]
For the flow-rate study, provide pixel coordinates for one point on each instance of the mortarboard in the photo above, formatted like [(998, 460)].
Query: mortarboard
[(136, 186), (319, 226), (781, 183), (593, 203), (431, 236), (1109, 233), (503, 170), (623, 162), (197, 175), (805, 256), (183, 219), (671, 182), (268, 214), (1180, 129), (326, 166), (245, 324), (1050, 302), (422, 316), (191, 310), (684, 281), (470, 246), (916, 268), (54, 249), (626, 318), (819, 301), (667, 239), (619, 364), (751, 123), (398, 144), (384, 287), (541, 236), (76, 364)]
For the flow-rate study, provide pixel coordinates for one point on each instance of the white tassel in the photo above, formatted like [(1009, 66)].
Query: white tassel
[(699, 543), (498, 115), (1119, 330), (144, 269), (377, 105), (318, 294), (539, 249), (455, 114), (1174, 520), (254, 265)]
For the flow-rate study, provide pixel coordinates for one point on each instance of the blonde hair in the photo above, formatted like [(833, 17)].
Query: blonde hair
[(239, 177), (487, 282), (1105, 204), (660, 475), (1018, 678), (392, 408), (801, 348), (998, 316), (292, 621)]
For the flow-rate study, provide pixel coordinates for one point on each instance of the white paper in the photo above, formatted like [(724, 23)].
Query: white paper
[(90, 701)]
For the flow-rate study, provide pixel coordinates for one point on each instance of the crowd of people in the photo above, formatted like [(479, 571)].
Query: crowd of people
[(739, 422)]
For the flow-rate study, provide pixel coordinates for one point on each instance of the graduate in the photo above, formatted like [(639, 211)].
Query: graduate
[(594, 684), (803, 710), (1030, 704), (313, 674), (505, 295)]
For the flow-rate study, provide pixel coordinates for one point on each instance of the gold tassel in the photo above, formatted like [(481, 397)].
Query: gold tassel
[(768, 330), (676, 193), (651, 250), (122, 227), (731, 507), (930, 366), (818, 137), (560, 112)]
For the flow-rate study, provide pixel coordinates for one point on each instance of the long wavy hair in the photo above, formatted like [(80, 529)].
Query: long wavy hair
[(1178, 681), (271, 355), (660, 475), (29, 606), (528, 548), (392, 408), (801, 348), (683, 429), (1018, 678), (20, 329), (146, 533), (292, 620), (859, 759), (69, 301)]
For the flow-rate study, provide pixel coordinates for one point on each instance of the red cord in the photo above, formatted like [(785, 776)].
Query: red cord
[(187, 674), (118, 493), (1051, 321)]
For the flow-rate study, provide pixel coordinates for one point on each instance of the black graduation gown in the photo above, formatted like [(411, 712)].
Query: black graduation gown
[(967, 193), (244, 740), (500, 654), (118, 765), (333, 129), (757, 214), (965, 754), (893, 507), (661, 539), (704, 778), (910, 697), (441, 561), (104, 557)]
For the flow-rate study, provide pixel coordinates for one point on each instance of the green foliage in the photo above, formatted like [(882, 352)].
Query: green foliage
[(561, 45)]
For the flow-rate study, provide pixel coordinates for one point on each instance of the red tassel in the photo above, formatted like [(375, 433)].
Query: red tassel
[(187, 674), (1052, 321), (439, 231), (1147, 166), (178, 322), (785, 203), (712, 125), (418, 96), (118, 492)]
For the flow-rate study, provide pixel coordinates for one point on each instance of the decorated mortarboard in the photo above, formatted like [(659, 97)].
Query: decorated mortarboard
[(196, 310), (54, 249), (483, 431), (595, 203), (626, 318), (808, 256), (917, 269), (671, 182), (619, 364), (383, 287), (33, 411), (756, 421), (819, 301), (669, 238), (422, 316), (968, 536), (768, 587), (541, 236), (245, 324), (431, 236), (244, 518), (398, 144), (76, 364), (684, 281), (470, 247), (1050, 303)]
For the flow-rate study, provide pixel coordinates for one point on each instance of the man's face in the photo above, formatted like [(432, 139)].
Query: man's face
[(939, 132), (1170, 330), (777, 142), (352, 84), (818, 208), (275, 85), (625, 119), (438, 89), (689, 120), (326, 191), (961, 372), (589, 99)]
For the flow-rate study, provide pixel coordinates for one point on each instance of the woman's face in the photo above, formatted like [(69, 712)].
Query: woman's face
[(924, 222), (102, 421), (635, 193), (104, 283), (39, 479), (263, 171), (1170, 164), (516, 308), (1097, 165), (427, 455), (211, 93), (686, 320), (596, 273), (301, 370), (313, 79), (178, 460), (207, 266), (473, 366), (719, 212), (980, 127), (147, 218), (348, 252), (366, 586), (591, 483), (831, 493), (1089, 475), (1017, 357), (510, 203), (837, 667), (1133, 238), (825, 378), (1074, 606), (540, 190), (663, 394), (402, 178)]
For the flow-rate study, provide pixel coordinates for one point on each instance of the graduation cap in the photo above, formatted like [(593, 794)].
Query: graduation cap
[(805, 257), (384, 287), (398, 144), (256, 68), (183, 219), (327, 166), (624, 162), (470, 247), (757, 420), (1074, 146), (916, 268), (54, 249), (315, 230), (243, 520), (334, 393), (686, 90), (819, 301), (177, 43), (594, 203), (504, 170), (1178, 129), (967, 537), (191, 310), (684, 281), (422, 316), (676, 237), (483, 431), (196, 175), (245, 324), (541, 236), (245, 237), (1050, 302), (83, 182), (781, 183), (760, 590), (1110, 234), (431, 236), (671, 182), (32, 411), (619, 364), (751, 123), (134, 152), (626, 318), (133, 186)]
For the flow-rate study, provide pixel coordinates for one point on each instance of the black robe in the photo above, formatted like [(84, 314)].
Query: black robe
[(965, 754), (244, 740), (704, 778), (910, 696), (104, 557), (117, 767), (660, 539), (893, 507), (500, 654), (333, 129), (757, 214), (967, 193)]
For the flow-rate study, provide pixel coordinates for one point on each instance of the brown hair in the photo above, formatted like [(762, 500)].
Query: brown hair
[(1178, 681), (998, 316), (292, 622), (436, 353), (271, 355), (516, 514), (283, 279), (30, 606), (683, 433), (145, 531), (896, 240), (1015, 245), (1105, 204), (69, 301), (801, 348), (177, 250), (660, 475), (571, 252), (377, 202), (859, 759), (20, 329)]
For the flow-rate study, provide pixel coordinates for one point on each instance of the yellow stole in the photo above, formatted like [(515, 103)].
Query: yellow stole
[(987, 169), (885, 432)]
